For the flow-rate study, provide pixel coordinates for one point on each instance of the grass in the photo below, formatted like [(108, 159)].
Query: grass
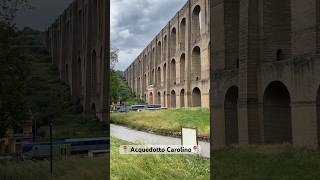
[(156, 166), (73, 168), (266, 162), (168, 122)]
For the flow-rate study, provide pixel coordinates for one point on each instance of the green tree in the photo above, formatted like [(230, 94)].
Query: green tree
[(14, 69), (114, 79)]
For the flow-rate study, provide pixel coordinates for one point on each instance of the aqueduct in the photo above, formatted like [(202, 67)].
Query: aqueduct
[(265, 72), (174, 67), (78, 42), (264, 68)]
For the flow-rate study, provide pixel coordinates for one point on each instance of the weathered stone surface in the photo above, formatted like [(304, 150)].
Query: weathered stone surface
[(78, 42), (265, 72), (173, 70)]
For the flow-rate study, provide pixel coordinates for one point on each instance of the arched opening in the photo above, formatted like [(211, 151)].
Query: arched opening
[(196, 23), (196, 64), (67, 74), (173, 42), (159, 76), (164, 74), (138, 88), (318, 115), (79, 76), (182, 33), (93, 108), (164, 99), (159, 98), (173, 99), (232, 18), (165, 42), (276, 29), (145, 63), (277, 114), (94, 73), (182, 69), (182, 98), (158, 53), (196, 97), (173, 72), (152, 77), (152, 58), (231, 116), (279, 55), (151, 98), (144, 82)]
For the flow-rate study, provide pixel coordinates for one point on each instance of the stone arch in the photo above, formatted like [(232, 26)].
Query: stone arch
[(153, 54), (182, 33), (277, 114), (164, 74), (196, 64), (158, 59), (93, 107), (196, 97), (138, 88), (152, 76), (196, 23), (173, 99), (165, 44), (232, 18), (150, 98), (94, 73), (159, 76), (173, 71), (79, 74), (67, 74), (318, 114), (164, 99), (144, 82), (182, 104), (276, 29), (145, 63), (182, 68), (231, 115), (173, 42), (159, 98), (279, 55)]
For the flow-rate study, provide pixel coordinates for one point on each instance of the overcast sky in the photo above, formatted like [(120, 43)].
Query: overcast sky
[(134, 23), (43, 13)]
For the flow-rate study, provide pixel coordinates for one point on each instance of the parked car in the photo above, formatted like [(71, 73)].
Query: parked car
[(154, 106), (137, 107)]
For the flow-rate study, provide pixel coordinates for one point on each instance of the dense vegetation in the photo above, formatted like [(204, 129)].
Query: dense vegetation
[(167, 122), (14, 69), (119, 89), (49, 98)]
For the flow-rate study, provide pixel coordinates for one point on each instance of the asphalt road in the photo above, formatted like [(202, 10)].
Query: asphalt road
[(135, 136)]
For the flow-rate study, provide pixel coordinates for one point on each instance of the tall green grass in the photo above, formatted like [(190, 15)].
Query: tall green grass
[(156, 166), (167, 121), (266, 162), (73, 168)]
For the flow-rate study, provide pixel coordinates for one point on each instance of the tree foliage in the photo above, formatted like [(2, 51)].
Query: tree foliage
[(14, 69)]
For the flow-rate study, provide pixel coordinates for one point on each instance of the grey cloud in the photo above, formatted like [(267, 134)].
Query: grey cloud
[(136, 22)]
